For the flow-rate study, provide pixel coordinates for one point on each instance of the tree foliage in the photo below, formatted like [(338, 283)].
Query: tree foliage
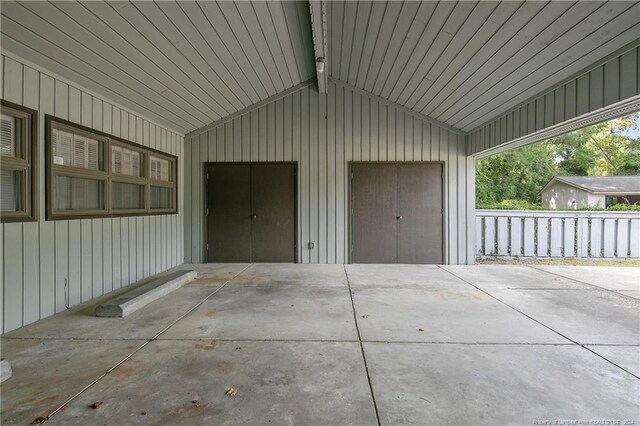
[(605, 149)]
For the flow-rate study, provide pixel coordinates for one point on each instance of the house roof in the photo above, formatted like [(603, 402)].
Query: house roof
[(187, 64), (606, 185)]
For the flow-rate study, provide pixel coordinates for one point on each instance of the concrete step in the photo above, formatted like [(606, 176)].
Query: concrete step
[(139, 297), (5, 370)]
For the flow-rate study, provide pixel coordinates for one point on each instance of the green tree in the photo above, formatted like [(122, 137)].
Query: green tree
[(603, 149)]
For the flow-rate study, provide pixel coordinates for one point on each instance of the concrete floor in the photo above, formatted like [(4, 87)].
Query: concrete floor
[(365, 344)]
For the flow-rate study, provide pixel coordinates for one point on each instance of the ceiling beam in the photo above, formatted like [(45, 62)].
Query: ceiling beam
[(318, 11)]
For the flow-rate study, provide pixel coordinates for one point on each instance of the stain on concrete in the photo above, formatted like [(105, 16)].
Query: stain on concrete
[(211, 346)]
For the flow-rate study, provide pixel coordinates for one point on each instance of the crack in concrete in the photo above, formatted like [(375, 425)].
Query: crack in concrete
[(364, 357)]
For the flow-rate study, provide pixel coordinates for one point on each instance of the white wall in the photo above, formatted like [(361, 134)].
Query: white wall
[(323, 134), (561, 196), (93, 256)]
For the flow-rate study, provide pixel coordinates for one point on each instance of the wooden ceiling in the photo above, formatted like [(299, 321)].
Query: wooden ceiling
[(187, 64), (184, 64)]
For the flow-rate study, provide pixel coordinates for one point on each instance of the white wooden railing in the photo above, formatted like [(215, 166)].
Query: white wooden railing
[(581, 234)]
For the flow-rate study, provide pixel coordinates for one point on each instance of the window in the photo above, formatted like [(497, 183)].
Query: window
[(162, 182), (92, 174), (18, 172)]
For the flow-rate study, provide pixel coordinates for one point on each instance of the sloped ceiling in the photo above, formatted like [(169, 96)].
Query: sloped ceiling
[(187, 64), (465, 63), (184, 64)]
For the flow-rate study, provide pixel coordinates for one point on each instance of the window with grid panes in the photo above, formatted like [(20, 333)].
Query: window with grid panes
[(18, 153), (93, 174)]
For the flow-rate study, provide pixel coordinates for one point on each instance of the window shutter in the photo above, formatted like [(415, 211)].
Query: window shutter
[(62, 143), (116, 153), (79, 152), (7, 135), (135, 163)]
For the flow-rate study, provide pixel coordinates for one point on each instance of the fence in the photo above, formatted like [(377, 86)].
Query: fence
[(581, 234)]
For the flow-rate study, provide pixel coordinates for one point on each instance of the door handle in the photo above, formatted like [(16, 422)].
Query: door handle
[(254, 217), (399, 217)]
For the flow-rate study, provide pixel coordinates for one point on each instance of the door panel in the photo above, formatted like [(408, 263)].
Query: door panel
[(229, 218), (373, 200), (273, 211), (420, 206)]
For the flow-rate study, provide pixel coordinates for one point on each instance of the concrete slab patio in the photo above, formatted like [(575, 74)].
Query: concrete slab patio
[(360, 344)]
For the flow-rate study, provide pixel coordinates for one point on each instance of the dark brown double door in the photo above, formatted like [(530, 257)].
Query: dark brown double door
[(250, 212), (397, 213)]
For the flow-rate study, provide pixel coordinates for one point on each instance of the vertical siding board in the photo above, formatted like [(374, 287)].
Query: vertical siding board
[(313, 176), (582, 94), (596, 88), (540, 113), (96, 257), (2, 266), (305, 175), (30, 230), (12, 81), (47, 242), (382, 131), (75, 263), (262, 134), (365, 115), (571, 99), (611, 80), (13, 276), (271, 131), (451, 194), (391, 133), (549, 117), (323, 249), (186, 190), (331, 173), (195, 200), (342, 253), (254, 147), (558, 105), (107, 256), (287, 149), (343, 178), (628, 74), (374, 142)]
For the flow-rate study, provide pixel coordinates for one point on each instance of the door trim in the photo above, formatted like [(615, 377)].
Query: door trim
[(207, 164), (445, 213)]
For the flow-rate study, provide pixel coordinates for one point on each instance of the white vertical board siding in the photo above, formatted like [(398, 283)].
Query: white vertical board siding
[(323, 134), (616, 80), (48, 266)]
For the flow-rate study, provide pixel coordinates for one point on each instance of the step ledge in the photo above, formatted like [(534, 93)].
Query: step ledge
[(139, 297), (5, 370)]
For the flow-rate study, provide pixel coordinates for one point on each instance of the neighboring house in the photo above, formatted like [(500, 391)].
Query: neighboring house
[(570, 192)]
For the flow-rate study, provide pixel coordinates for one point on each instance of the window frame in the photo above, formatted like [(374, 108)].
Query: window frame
[(28, 165), (107, 175)]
